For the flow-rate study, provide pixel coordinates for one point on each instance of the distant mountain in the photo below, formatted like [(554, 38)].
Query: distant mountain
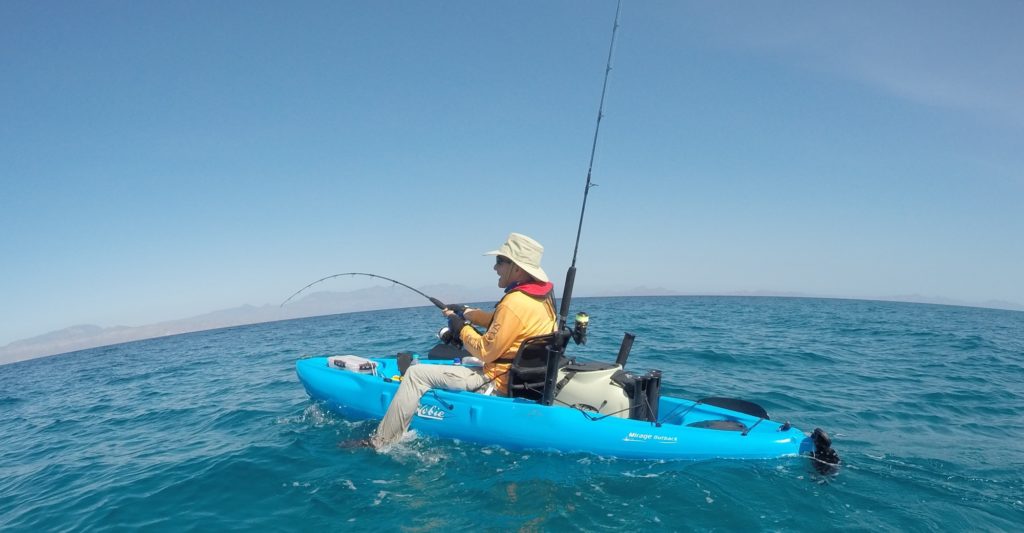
[(938, 300), (634, 291), (328, 303), (1002, 304), (774, 294), (315, 304), (69, 340)]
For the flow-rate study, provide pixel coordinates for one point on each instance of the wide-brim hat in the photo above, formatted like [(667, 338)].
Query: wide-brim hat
[(525, 253)]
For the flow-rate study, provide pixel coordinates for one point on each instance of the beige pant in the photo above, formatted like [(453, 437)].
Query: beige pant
[(416, 382)]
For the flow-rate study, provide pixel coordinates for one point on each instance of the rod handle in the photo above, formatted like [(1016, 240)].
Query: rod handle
[(563, 311), (627, 345)]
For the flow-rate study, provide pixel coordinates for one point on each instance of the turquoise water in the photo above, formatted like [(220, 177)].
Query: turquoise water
[(212, 430)]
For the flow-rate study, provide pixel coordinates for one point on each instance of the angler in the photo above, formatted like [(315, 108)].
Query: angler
[(555, 402)]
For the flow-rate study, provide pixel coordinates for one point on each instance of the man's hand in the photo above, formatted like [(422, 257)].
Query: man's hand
[(458, 309), (455, 325)]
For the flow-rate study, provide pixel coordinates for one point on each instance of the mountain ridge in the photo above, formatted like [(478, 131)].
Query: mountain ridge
[(85, 336)]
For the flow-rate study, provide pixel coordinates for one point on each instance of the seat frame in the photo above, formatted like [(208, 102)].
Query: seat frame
[(528, 376)]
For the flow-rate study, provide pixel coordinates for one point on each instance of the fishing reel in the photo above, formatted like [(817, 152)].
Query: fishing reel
[(448, 348), (579, 329), (446, 336)]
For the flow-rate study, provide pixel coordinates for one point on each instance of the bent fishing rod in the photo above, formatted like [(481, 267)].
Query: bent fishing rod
[(433, 300), (570, 275)]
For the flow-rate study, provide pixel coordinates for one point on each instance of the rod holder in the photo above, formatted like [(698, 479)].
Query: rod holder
[(555, 350), (627, 345)]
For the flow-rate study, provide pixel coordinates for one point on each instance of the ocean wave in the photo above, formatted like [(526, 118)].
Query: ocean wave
[(212, 430)]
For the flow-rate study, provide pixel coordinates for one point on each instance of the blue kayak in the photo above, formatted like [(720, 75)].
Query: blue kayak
[(683, 429)]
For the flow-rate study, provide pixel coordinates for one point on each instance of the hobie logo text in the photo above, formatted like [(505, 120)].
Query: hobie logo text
[(430, 411)]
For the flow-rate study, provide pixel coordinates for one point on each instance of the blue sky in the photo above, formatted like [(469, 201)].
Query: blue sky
[(164, 159)]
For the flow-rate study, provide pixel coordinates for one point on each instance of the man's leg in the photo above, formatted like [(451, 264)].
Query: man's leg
[(417, 381)]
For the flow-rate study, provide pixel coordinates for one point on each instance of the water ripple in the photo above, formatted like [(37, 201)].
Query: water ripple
[(212, 430)]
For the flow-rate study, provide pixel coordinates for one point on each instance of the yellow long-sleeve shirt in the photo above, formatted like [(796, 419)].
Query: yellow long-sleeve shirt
[(517, 317)]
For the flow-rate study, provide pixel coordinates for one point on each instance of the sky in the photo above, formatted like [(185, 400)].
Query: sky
[(160, 160)]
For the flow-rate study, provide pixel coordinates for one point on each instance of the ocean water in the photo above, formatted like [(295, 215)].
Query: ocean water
[(212, 430)]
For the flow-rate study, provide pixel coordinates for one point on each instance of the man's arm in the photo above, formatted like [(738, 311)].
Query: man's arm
[(479, 316), (496, 341)]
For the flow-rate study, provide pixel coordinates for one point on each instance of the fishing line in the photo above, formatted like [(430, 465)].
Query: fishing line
[(433, 300)]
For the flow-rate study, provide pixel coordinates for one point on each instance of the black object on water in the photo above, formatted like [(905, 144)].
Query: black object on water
[(826, 460)]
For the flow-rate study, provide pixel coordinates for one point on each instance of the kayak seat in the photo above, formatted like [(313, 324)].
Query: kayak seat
[(529, 368)]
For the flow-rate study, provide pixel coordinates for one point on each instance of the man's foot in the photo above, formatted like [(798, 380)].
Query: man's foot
[(355, 444)]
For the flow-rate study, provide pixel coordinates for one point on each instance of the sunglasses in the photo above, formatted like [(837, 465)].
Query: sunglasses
[(499, 260)]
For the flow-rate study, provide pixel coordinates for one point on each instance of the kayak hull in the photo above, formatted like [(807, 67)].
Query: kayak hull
[(517, 423)]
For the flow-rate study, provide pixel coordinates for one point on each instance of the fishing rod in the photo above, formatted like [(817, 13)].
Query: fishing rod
[(556, 350), (570, 275), (433, 300)]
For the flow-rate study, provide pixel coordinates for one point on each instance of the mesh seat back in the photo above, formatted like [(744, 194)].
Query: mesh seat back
[(529, 368)]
